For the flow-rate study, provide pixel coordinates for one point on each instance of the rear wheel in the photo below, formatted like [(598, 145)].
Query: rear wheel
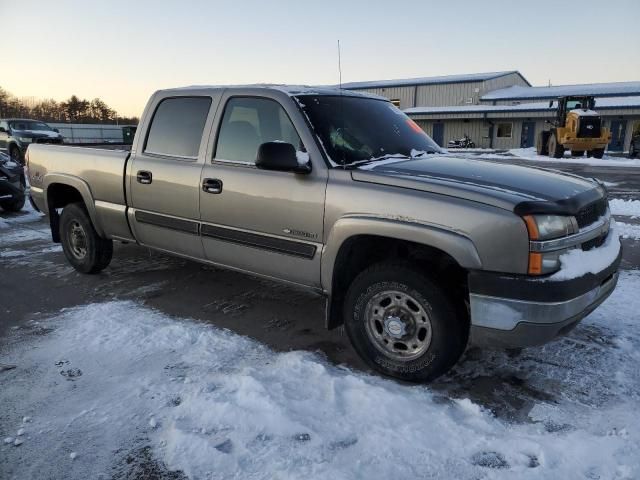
[(542, 143), (402, 324), (85, 250), (632, 151), (577, 153), (556, 150), (597, 152)]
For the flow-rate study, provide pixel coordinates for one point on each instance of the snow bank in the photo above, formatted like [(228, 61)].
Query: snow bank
[(529, 154), (625, 207), (105, 380), (628, 230), (576, 263)]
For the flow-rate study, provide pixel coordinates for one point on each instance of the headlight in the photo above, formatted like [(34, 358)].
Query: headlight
[(548, 227), (25, 139)]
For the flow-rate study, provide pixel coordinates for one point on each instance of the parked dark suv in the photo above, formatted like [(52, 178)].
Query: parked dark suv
[(16, 134)]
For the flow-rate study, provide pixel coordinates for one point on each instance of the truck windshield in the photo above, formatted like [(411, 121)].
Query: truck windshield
[(357, 130), (27, 125)]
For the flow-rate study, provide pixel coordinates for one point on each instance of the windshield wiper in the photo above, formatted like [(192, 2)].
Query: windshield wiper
[(414, 154), (359, 163)]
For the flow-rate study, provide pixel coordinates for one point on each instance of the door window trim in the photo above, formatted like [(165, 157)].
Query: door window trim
[(182, 158), (244, 163)]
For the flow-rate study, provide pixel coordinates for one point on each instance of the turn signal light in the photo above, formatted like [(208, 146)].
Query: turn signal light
[(532, 227), (535, 263)]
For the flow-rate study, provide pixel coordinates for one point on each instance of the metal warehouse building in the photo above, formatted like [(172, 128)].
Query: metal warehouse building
[(501, 109)]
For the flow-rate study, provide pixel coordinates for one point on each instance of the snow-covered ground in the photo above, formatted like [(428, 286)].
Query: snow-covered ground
[(530, 154), (629, 208), (98, 383)]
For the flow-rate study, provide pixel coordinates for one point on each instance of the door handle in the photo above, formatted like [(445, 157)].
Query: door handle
[(144, 177), (212, 185)]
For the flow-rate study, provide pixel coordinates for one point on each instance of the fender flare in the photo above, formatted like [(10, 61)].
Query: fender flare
[(81, 186), (457, 245)]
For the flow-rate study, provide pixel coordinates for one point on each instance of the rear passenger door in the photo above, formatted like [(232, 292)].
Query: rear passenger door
[(164, 174)]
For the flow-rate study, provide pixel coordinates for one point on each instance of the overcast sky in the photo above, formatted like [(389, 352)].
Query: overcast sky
[(122, 50)]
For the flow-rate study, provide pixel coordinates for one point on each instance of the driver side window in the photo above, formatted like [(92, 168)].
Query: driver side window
[(249, 122)]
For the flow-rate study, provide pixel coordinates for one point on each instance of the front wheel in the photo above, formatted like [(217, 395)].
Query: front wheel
[(14, 153), (597, 152), (402, 324), (85, 250)]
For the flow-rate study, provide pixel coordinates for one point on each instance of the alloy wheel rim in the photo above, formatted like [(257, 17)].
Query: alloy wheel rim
[(398, 325)]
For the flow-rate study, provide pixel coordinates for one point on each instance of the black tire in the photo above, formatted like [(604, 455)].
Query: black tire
[(632, 151), (15, 154), (542, 143), (85, 250), (443, 325), (597, 153), (555, 149), (13, 205), (577, 153)]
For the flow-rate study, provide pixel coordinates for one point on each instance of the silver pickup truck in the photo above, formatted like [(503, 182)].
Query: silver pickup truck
[(417, 253)]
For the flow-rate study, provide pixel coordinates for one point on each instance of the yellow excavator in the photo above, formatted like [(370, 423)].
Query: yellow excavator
[(577, 127)]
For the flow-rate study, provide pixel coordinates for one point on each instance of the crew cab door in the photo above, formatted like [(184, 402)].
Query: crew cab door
[(164, 174), (265, 222)]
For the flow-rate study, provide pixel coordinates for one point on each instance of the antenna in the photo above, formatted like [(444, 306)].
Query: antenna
[(339, 65), (344, 160)]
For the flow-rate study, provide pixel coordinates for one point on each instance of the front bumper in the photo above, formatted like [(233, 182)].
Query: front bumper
[(515, 311)]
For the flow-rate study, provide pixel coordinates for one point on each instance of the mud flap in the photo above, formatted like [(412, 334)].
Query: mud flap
[(54, 221), (333, 313)]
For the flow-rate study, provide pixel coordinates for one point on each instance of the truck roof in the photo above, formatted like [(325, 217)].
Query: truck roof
[(291, 90)]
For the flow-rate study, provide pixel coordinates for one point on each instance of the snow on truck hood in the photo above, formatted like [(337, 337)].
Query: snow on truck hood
[(498, 184)]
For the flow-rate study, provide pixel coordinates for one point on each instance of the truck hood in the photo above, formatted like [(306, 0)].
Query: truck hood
[(498, 184)]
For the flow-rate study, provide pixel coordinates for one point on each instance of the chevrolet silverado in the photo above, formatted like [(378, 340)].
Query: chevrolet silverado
[(418, 254)]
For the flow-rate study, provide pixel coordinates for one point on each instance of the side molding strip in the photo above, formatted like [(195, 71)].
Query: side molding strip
[(186, 226), (290, 247)]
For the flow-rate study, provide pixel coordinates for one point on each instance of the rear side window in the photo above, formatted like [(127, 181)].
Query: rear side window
[(249, 122), (177, 126)]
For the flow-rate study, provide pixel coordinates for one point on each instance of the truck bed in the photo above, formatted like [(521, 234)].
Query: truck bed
[(96, 174), (102, 169)]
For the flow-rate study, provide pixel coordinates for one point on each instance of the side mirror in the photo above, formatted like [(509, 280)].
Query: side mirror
[(2, 130), (550, 103), (280, 156), (56, 130)]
